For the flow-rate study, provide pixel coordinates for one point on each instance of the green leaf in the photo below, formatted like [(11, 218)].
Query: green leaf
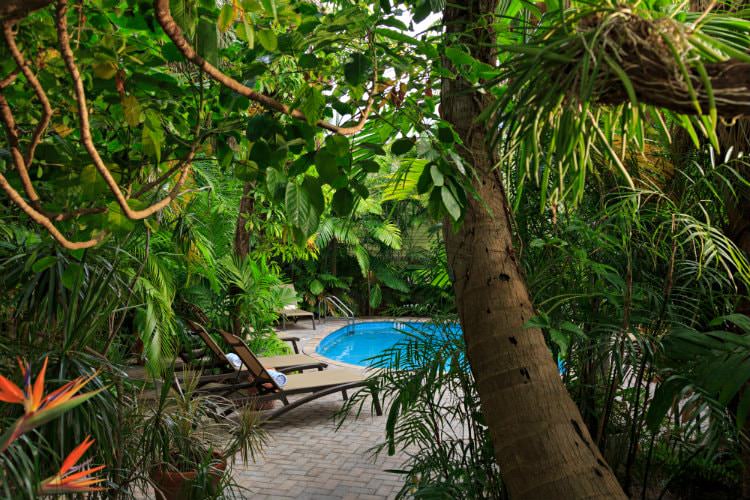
[(226, 17), (402, 146), (312, 104), (338, 145), (132, 110), (246, 170), (739, 320), (376, 296), (300, 211), (450, 203), (105, 70), (312, 187), (116, 220), (445, 135), (562, 341), (325, 164), (270, 8), (361, 190), (356, 71), (316, 287), (71, 275), (44, 263), (152, 135), (246, 32), (664, 397), (363, 259), (437, 175), (424, 183), (274, 179), (343, 202), (459, 57), (207, 41), (268, 40), (370, 166)]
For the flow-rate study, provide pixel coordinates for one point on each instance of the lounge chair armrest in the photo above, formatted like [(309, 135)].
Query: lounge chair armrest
[(293, 340)]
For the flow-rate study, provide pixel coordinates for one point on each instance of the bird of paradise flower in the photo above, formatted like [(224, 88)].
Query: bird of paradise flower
[(40, 409)]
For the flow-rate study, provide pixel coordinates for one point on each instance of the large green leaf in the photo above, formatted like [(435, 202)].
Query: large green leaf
[(343, 202), (226, 17), (267, 39), (207, 41), (325, 164), (300, 210), (312, 104), (450, 203)]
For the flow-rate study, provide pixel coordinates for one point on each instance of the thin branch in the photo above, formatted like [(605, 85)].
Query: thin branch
[(162, 178), (85, 132), (8, 80), (10, 40), (173, 31), (18, 162), (42, 220), (6, 115), (77, 213)]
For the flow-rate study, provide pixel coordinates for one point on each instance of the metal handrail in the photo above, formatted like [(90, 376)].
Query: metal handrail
[(337, 304)]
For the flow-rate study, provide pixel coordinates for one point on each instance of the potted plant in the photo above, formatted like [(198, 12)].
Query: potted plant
[(190, 443)]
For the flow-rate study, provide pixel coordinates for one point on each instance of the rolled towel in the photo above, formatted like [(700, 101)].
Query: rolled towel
[(277, 377), (234, 360)]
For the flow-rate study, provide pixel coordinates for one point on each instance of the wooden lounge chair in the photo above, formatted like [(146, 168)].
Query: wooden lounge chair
[(315, 384), (284, 363), (293, 312)]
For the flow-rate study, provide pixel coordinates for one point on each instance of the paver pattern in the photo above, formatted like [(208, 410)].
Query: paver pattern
[(308, 458)]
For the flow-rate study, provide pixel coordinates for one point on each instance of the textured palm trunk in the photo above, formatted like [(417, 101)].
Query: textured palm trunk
[(541, 443)]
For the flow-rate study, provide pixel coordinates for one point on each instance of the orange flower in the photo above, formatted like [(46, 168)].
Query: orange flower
[(10, 392), (71, 478), (38, 408)]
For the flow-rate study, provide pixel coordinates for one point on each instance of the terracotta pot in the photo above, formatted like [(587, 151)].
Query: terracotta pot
[(260, 405), (175, 485)]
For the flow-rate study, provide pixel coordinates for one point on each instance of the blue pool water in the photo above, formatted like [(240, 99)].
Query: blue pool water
[(354, 344)]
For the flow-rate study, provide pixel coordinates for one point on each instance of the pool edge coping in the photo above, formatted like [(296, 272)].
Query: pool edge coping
[(309, 345)]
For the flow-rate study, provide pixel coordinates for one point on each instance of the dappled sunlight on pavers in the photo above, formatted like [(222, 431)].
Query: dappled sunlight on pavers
[(307, 457)]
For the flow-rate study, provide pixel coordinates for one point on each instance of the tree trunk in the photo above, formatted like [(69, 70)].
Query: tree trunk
[(242, 243), (541, 444), (241, 235)]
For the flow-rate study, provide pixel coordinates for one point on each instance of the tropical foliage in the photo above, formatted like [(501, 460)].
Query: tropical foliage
[(176, 160)]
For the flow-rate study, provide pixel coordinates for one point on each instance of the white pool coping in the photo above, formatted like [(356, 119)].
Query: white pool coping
[(310, 339)]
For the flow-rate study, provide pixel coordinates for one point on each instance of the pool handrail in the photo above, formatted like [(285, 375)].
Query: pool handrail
[(337, 304)]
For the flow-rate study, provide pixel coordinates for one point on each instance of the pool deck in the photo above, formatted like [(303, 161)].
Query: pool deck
[(308, 458)]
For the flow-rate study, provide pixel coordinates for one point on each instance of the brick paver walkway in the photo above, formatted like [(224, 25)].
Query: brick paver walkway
[(308, 458)]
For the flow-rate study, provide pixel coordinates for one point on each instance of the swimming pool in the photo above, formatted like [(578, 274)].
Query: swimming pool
[(354, 344)]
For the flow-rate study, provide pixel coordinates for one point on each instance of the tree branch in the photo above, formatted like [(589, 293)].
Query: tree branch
[(6, 115), (88, 142), (173, 31), (8, 80), (657, 79), (18, 9), (10, 40)]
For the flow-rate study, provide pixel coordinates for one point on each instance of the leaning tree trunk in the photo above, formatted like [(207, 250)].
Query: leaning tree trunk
[(541, 444)]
